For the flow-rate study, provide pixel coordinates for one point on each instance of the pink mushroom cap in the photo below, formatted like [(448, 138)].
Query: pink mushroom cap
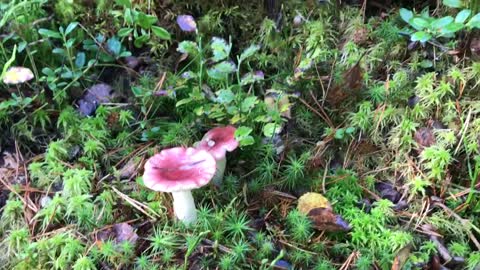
[(16, 75), (218, 141), (178, 169)]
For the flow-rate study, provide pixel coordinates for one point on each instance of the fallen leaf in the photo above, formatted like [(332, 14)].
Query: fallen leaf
[(325, 220), (119, 233), (93, 97), (402, 257), (320, 212), (129, 169), (387, 191), (424, 137)]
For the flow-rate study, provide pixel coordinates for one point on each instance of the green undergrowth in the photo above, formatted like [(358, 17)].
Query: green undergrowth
[(325, 99)]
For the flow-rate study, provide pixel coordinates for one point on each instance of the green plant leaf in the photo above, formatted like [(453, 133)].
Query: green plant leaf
[(187, 46), (125, 3), (220, 49), (406, 14), (145, 21), (474, 21), (452, 28), (49, 33), (419, 23), (9, 62), (248, 103), (453, 3), (221, 70), (71, 27), (270, 129), (80, 60), (339, 134), (183, 101), (225, 96), (242, 135), (123, 32), (442, 22), (139, 41), (463, 15), (160, 32), (421, 36), (128, 16), (248, 52), (114, 46)]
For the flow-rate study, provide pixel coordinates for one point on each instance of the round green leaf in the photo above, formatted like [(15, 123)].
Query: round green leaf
[(421, 36)]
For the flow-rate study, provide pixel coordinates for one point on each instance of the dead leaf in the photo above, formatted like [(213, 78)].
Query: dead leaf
[(319, 210), (401, 258), (93, 97), (129, 169), (424, 137), (119, 233), (325, 220), (352, 82)]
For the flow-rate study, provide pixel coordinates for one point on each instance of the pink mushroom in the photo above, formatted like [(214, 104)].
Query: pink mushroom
[(179, 170), (16, 75), (218, 142)]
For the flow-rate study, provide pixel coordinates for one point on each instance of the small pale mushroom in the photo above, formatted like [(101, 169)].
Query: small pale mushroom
[(16, 75), (218, 141), (179, 170)]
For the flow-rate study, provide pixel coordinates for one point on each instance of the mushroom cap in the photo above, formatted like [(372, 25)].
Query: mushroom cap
[(218, 141), (178, 169), (16, 75)]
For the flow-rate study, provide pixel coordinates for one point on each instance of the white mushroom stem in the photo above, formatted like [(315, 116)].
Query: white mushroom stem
[(184, 206), (220, 170)]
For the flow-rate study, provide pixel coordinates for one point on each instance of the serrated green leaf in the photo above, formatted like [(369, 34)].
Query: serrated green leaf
[(248, 104), (221, 70), (187, 46), (225, 96), (220, 49)]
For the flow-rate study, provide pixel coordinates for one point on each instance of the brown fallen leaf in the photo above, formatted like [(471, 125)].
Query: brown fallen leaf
[(320, 212), (119, 233)]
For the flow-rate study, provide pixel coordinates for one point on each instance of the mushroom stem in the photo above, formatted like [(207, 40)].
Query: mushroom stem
[(184, 206), (220, 170)]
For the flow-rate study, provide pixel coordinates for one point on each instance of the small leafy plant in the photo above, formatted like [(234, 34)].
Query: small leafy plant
[(426, 28)]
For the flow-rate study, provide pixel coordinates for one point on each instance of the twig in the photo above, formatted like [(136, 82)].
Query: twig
[(138, 205)]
